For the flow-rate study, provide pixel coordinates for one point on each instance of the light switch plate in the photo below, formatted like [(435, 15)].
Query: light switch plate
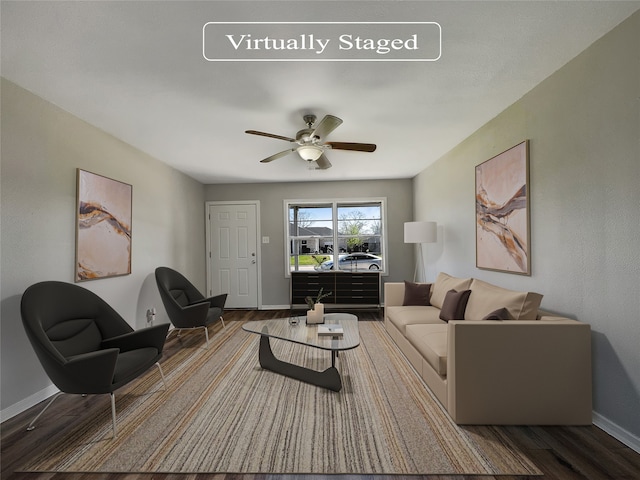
[(265, 239)]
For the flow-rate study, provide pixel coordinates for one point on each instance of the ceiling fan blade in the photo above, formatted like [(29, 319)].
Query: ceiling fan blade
[(327, 125), (359, 147), (270, 135), (323, 163), (276, 156)]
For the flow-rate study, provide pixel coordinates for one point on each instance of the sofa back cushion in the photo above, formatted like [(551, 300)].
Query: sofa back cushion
[(486, 298), (445, 282)]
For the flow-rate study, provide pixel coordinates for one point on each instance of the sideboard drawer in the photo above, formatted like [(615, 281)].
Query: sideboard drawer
[(347, 288)]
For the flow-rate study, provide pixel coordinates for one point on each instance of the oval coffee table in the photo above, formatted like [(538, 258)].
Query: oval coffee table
[(306, 335)]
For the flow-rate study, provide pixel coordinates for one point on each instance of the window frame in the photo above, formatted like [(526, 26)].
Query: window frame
[(334, 203)]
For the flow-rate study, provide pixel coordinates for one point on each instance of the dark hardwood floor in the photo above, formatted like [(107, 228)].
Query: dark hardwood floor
[(562, 453)]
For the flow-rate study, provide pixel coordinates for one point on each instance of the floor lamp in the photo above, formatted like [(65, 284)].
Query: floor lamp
[(420, 232)]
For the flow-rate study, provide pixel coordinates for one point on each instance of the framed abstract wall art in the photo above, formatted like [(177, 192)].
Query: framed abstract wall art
[(502, 212), (103, 227)]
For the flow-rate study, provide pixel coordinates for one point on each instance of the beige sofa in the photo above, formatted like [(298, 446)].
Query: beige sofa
[(531, 368)]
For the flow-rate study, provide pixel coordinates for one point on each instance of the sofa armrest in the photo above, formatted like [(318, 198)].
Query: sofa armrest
[(393, 297), (519, 372), (393, 294)]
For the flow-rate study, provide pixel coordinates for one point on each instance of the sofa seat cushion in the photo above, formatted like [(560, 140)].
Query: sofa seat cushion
[(410, 315), (431, 341), (445, 282), (486, 298)]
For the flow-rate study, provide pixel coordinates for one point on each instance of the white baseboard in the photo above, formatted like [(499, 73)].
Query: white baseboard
[(617, 432), (275, 307), (27, 403)]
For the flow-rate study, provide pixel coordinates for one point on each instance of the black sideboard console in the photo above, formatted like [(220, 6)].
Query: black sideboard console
[(354, 289)]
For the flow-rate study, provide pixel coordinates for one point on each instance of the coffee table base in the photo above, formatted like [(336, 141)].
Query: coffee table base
[(329, 379)]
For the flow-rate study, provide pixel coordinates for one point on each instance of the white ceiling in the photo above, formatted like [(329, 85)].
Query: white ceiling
[(135, 70)]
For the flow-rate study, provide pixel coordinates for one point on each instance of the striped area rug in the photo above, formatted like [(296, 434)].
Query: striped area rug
[(222, 413)]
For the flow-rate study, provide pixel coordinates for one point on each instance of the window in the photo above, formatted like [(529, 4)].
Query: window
[(335, 235)]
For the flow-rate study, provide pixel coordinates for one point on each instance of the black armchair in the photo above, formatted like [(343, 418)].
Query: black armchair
[(83, 344), (186, 306)]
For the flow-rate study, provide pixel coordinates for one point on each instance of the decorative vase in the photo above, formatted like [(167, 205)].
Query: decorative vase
[(316, 315)]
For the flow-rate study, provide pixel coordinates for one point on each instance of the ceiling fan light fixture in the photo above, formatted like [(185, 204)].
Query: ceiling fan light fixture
[(310, 153), (310, 143)]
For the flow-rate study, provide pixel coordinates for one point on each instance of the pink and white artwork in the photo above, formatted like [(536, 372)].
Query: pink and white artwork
[(502, 212), (103, 230)]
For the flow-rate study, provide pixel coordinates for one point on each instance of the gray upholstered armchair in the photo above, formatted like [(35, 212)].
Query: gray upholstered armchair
[(83, 344), (186, 306)]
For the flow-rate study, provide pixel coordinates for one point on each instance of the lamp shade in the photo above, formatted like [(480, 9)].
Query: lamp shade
[(420, 232)]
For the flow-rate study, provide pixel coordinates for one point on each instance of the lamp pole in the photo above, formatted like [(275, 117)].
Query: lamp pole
[(420, 232)]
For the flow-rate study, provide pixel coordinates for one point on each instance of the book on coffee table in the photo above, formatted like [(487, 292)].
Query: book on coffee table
[(330, 330)]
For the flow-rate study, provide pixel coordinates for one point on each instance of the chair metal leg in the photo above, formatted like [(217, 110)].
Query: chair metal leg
[(162, 375), (222, 320), (206, 332), (32, 424), (113, 413), (206, 335)]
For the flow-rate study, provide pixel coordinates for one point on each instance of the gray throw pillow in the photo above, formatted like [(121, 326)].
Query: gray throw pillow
[(454, 305), (499, 314), (416, 293)]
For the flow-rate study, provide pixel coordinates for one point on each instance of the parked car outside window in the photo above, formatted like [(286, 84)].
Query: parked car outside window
[(353, 262)]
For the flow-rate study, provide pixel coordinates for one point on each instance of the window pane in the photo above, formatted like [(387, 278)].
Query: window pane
[(363, 219), (310, 216), (356, 245), (359, 236), (310, 235)]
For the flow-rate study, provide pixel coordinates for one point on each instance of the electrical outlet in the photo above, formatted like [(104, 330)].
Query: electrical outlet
[(151, 316)]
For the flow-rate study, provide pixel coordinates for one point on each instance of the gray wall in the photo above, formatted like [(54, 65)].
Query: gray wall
[(275, 287), (583, 123), (41, 148)]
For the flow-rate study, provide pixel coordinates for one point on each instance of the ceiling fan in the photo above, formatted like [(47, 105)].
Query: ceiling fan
[(310, 144)]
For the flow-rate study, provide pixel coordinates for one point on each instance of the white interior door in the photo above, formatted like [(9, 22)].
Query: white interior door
[(233, 253)]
